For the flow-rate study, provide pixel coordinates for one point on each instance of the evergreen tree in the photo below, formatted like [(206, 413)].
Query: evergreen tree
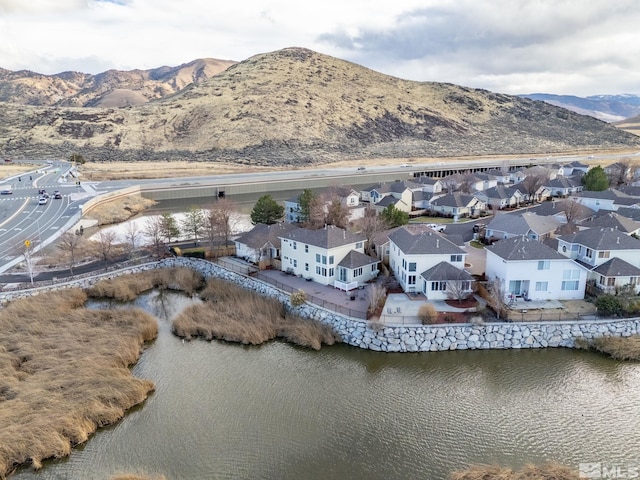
[(305, 203), (595, 179), (169, 227), (267, 211), (394, 217), (194, 222)]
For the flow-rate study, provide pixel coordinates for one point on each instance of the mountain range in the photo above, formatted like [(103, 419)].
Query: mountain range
[(289, 107), (610, 108)]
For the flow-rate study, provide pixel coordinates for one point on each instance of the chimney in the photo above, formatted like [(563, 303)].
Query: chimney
[(618, 240), (344, 234), (437, 243)]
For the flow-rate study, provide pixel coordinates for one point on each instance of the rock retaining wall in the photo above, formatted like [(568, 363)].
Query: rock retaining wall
[(405, 338)]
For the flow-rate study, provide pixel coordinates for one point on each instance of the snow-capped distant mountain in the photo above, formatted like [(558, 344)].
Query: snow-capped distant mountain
[(610, 108)]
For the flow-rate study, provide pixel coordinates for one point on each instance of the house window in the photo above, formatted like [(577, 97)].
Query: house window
[(633, 281), (317, 258), (321, 271), (456, 258), (331, 260), (306, 267), (324, 259), (466, 285), (295, 263), (542, 286), (570, 285), (589, 253), (374, 267), (359, 245), (604, 254), (544, 264), (412, 266), (435, 286), (295, 245), (611, 281), (331, 272), (357, 272), (412, 280), (306, 249), (404, 264), (603, 280)]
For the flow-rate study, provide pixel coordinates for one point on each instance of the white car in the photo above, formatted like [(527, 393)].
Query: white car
[(438, 227), (42, 201)]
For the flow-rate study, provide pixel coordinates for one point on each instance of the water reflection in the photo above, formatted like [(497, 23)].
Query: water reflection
[(281, 412)]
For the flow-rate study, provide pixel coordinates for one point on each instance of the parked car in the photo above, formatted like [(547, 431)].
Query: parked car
[(438, 227), (42, 201), (478, 227)]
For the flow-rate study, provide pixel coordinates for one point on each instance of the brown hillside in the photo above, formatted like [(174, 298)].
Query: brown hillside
[(631, 125), (296, 106)]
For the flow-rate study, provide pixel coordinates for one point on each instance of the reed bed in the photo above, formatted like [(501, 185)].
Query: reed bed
[(549, 471), (235, 314), (64, 372), (127, 287), (619, 348)]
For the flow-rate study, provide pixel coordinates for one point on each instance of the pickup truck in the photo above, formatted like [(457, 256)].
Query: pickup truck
[(438, 227)]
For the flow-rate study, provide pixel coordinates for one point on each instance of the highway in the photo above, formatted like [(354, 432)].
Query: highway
[(22, 218)]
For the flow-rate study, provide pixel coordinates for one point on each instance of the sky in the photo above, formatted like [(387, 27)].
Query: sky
[(567, 47)]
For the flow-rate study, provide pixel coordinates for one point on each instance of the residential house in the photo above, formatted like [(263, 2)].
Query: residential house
[(430, 184), (500, 196), (573, 168), (595, 246), (613, 220), (416, 256), (615, 275), (610, 199), (531, 270), (564, 186), (559, 208), (401, 190), (500, 176), (526, 224), (262, 242), (618, 172), (517, 175), (421, 200), (457, 205), (348, 197), (325, 256)]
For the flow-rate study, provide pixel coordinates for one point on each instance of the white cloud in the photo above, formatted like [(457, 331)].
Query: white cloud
[(511, 46)]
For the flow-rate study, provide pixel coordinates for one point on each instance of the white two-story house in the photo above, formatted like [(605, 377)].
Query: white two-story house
[(424, 261), (329, 256), (596, 249), (531, 270)]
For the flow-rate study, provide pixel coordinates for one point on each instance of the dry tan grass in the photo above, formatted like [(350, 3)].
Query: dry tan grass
[(127, 287), (131, 476), (65, 372), (549, 471), (619, 348), (120, 209), (9, 169), (235, 314), (102, 171)]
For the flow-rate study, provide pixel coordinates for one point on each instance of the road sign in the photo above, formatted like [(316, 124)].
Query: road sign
[(27, 243)]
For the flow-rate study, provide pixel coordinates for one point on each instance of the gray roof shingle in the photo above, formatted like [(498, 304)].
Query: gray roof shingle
[(355, 259), (419, 241), (617, 267), (602, 239), (445, 271), (262, 234), (523, 248), (328, 237)]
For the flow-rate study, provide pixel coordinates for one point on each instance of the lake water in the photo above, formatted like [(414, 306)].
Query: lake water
[(225, 411)]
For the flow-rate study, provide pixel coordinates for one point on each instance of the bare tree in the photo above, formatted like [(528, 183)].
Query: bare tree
[(459, 288), (497, 296), (317, 213), (193, 223), (621, 172), (132, 234), (70, 244), (337, 214), (153, 230), (222, 219), (571, 210), (532, 183), (104, 245), (370, 225)]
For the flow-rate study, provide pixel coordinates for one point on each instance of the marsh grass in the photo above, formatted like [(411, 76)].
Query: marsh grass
[(235, 314), (549, 471), (64, 372), (128, 287), (619, 348)]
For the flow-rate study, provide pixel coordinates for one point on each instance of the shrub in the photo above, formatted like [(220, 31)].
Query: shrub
[(298, 298), (609, 305), (449, 318), (427, 314)]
